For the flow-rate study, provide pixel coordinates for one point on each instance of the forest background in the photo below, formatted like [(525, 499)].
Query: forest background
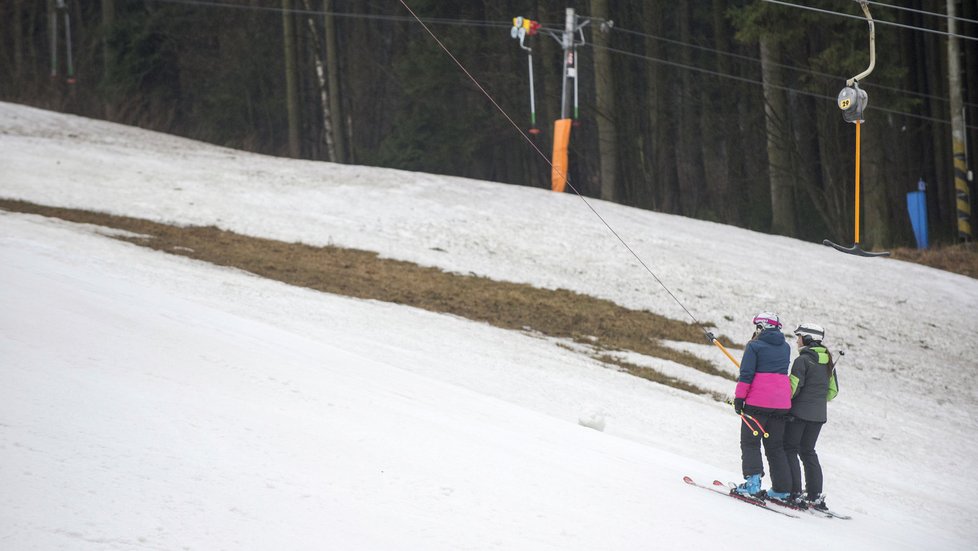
[(713, 109)]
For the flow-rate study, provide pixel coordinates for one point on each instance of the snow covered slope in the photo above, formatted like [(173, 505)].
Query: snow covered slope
[(152, 401)]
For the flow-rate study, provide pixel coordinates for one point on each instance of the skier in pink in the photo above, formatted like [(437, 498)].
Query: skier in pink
[(762, 399)]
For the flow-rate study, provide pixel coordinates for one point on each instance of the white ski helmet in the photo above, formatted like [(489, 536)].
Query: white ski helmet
[(810, 332), (767, 320)]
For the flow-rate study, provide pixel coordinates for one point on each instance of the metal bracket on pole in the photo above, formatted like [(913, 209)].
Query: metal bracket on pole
[(872, 45), (569, 45), (521, 28)]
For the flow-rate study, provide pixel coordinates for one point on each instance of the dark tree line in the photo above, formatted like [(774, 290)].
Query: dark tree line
[(721, 110)]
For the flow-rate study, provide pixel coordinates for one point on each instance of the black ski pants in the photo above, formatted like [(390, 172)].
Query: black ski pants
[(750, 449), (800, 437)]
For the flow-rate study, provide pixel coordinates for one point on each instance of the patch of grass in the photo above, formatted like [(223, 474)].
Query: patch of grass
[(960, 259), (560, 313), (652, 375)]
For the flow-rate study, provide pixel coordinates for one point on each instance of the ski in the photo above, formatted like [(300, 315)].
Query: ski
[(826, 513), (814, 512), (716, 489)]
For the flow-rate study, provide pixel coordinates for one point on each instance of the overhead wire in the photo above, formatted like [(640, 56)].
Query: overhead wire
[(877, 21), (375, 17), (761, 83), (921, 12), (506, 25), (795, 68)]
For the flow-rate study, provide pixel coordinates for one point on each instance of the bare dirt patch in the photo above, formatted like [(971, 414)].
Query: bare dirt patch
[(598, 323), (961, 258)]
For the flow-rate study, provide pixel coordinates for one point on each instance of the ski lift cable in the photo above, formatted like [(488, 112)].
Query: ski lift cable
[(759, 83), (921, 12), (545, 158), (375, 17), (776, 64), (890, 23)]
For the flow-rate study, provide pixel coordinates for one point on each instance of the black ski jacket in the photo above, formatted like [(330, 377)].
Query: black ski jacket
[(813, 384)]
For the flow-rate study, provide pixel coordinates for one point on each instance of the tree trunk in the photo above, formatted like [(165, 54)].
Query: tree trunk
[(291, 81), (108, 19), (807, 193), (835, 191), (718, 126), (321, 83), (333, 80), (660, 173), (689, 158), (605, 97), (935, 68), (34, 12), (53, 37), (969, 10), (18, 24), (778, 152), (921, 142), (875, 231)]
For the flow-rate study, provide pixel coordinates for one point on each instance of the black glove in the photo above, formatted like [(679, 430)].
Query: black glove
[(738, 405)]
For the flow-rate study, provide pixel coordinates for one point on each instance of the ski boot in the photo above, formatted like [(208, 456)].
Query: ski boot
[(796, 499), (778, 496), (818, 503), (751, 487)]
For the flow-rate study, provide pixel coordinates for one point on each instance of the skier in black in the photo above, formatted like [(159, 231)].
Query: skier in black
[(813, 384)]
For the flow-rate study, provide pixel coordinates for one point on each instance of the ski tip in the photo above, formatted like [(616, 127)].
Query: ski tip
[(718, 483), (688, 480)]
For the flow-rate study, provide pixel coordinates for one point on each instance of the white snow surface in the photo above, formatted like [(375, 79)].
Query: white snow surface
[(149, 401)]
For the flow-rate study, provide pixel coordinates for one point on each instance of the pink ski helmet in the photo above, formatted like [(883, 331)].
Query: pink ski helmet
[(767, 320)]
